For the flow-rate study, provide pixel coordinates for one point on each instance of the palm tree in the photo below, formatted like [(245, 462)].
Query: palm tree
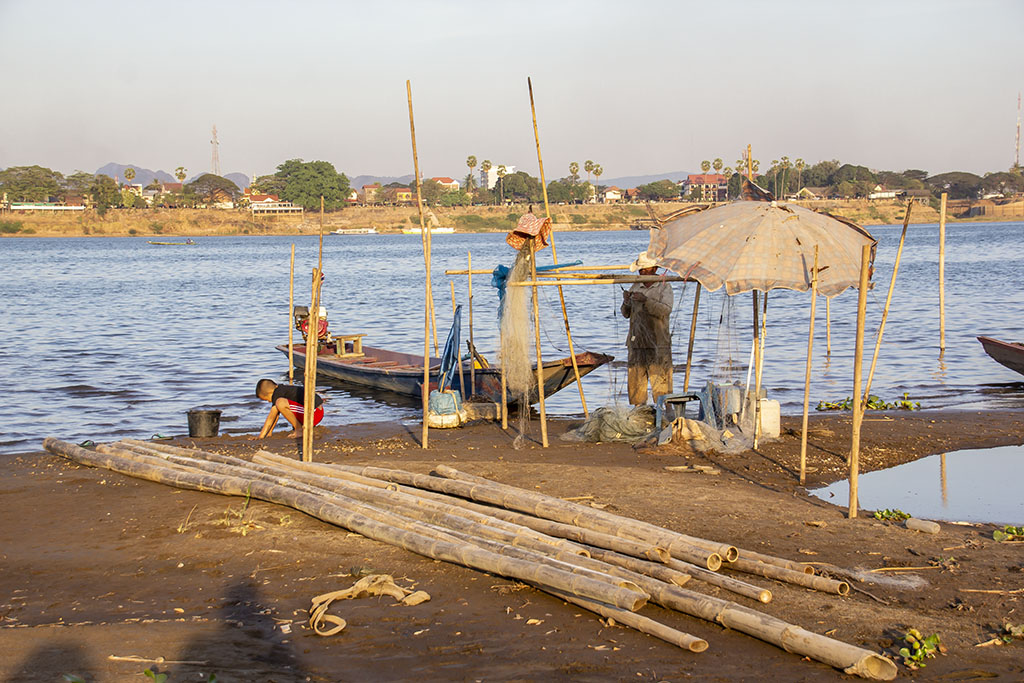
[(180, 173), (588, 166), (486, 168), (597, 176), (705, 165), (501, 179), (774, 170), (717, 164), (755, 164), (741, 166), (785, 170), (129, 174), (800, 172), (471, 162), (574, 171)]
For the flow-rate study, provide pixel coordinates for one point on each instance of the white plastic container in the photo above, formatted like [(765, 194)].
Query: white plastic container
[(770, 413)]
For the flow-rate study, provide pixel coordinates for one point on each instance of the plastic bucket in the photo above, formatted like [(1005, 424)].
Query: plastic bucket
[(203, 423)]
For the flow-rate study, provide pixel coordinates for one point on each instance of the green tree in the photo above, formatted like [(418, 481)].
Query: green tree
[(588, 166), (522, 187), (181, 173), (574, 171), (598, 170), (800, 164), (501, 181), (430, 190), (959, 184), (30, 183), (304, 182), (471, 162), (486, 167), (105, 193), (455, 198), (209, 187), (78, 184), (705, 166), (659, 190), (129, 174), (717, 164)]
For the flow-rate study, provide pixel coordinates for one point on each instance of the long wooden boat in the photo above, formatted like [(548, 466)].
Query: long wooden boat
[(173, 244), (1009, 354), (402, 373)]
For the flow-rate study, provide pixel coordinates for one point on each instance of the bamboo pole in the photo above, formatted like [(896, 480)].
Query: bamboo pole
[(828, 326), (777, 561), (554, 257), (758, 368), (858, 353), (428, 295), (888, 300), (611, 280), (309, 377), (536, 335), (807, 373), (728, 583), (472, 346), (291, 318), (504, 385), (942, 275), (799, 578), (362, 519), (320, 258), (693, 333), (559, 269)]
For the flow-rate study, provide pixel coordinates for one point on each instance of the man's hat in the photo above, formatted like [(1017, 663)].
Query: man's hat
[(643, 261)]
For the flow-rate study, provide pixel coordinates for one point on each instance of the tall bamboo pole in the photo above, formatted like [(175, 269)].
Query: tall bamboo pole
[(291, 318), (428, 294), (942, 276), (807, 375), (540, 364), (472, 346), (689, 346), (858, 358), (759, 367), (554, 256), (504, 384), (320, 258), (309, 379), (888, 300)]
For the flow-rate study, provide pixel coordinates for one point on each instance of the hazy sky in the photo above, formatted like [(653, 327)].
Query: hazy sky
[(639, 87)]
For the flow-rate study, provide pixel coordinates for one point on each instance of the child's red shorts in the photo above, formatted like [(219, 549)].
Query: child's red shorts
[(300, 412)]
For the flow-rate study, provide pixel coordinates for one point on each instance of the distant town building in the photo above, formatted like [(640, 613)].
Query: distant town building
[(447, 183), (45, 206), (263, 208), (370, 193), (710, 187), (611, 195), (489, 178), (880, 192)]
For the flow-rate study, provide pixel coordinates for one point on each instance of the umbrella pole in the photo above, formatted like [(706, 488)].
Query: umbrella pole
[(689, 346), (554, 256), (828, 326), (759, 365), (858, 352), (888, 300), (755, 354), (807, 376), (942, 276), (291, 318), (540, 364), (428, 307)]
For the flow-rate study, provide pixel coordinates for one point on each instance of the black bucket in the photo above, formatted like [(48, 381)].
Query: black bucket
[(203, 423)]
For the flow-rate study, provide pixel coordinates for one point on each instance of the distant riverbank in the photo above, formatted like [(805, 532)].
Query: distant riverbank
[(392, 219)]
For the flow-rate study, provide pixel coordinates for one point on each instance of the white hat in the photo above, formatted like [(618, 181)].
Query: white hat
[(643, 261)]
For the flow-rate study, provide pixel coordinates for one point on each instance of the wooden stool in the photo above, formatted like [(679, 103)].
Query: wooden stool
[(340, 342)]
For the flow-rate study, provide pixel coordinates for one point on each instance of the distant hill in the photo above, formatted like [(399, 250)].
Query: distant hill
[(143, 176), (626, 182), (360, 180)]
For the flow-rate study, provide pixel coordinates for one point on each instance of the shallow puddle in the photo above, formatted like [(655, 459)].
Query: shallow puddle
[(977, 485)]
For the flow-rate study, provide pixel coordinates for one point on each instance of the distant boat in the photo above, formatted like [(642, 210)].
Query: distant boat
[(186, 243), (1008, 354), (433, 231), (355, 231)]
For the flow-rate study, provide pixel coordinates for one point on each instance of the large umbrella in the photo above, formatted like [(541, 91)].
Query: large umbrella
[(756, 245), (760, 246)]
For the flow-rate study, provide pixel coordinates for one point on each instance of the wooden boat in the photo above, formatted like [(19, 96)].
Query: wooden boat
[(355, 231), (402, 373), (1008, 354), (186, 243)]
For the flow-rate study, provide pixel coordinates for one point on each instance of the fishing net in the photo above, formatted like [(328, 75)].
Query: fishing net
[(515, 344), (615, 423)]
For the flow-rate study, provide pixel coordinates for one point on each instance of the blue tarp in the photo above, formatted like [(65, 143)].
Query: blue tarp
[(500, 275), (450, 356)]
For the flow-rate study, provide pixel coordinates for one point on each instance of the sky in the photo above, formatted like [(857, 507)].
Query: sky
[(638, 87)]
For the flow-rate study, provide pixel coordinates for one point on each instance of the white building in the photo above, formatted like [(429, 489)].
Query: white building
[(489, 178)]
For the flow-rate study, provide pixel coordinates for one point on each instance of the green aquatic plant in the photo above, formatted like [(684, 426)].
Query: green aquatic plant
[(1008, 533), (918, 648), (894, 515), (872, 403)]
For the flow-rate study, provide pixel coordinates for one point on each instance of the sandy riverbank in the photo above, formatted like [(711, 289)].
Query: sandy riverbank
[(202, 222), (97, 564)]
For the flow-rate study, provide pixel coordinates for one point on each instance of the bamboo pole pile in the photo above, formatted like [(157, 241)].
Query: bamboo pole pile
[(606, 563)]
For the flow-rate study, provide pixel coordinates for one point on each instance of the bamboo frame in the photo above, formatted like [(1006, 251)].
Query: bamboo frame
[(942, 275), (888, 300), (536, 335), (428, 307), (858, 353), (807, 375), (615, 280), (472, 346), (309, 377), (554, 257), (291, 318), (483, 271)]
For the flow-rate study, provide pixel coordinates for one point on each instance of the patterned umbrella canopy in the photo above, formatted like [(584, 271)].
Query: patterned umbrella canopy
[(748, 245)]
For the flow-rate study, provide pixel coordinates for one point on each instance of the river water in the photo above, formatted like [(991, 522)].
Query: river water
[(114, 337)]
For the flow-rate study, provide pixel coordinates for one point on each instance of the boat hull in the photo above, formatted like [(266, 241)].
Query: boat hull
[(402, 373), (1005, 353)]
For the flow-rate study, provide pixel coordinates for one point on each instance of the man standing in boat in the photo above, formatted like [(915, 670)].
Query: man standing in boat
[(288, 401), (648, 306)]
